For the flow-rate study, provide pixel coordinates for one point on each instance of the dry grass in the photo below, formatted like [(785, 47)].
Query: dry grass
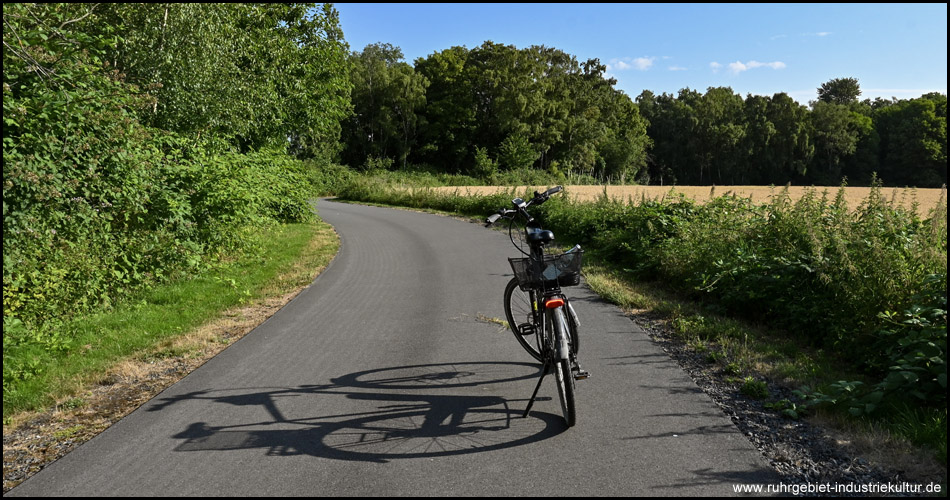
[(925, 198), (881, 448)]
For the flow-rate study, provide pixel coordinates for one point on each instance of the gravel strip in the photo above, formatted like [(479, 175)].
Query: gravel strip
[(802, 453)]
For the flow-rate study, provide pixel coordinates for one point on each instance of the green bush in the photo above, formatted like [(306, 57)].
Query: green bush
[(822, 271), (485, 167), (516, 153), (97, 205), (327, 179), (914, 346)]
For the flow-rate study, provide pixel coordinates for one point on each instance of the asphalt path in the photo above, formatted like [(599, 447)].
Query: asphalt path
[(389, 376)]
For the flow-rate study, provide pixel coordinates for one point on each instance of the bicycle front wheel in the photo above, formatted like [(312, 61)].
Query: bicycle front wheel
[(563, 375), (522, 315)]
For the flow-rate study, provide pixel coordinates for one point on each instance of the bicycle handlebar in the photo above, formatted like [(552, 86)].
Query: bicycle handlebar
[(521, 206), (543, 197), (495, 216)]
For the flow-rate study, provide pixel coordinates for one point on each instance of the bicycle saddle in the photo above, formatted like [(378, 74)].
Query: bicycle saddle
[(540, 236)]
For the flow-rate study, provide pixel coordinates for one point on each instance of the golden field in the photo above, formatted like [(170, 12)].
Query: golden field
[(927, 199)]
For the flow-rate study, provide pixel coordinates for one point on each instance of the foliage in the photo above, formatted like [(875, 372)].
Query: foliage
[(387, 96), (716, 138), (913, 140), (840, 91), (250, 74), (485, 167), (534, 108), (118, 179), (540, 108), (837, 131), (915, 346), (515, 153), (781, 262), (754, 388)]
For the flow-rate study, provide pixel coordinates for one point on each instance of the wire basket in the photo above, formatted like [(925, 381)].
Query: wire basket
[(556, 270)]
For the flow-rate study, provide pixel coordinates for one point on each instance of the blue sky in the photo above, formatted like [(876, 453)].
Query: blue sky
[(894, 50)]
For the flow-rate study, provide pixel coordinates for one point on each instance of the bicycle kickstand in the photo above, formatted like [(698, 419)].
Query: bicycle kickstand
[(544, 371)]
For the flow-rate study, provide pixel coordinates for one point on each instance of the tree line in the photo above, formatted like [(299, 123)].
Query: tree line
[(492, 108), (496, 107)]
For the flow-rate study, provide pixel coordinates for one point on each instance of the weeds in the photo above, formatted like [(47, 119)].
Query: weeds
[(827, 276), (755, 389)]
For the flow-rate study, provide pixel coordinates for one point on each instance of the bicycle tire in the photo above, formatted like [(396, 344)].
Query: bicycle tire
[(519, 310), (565, 389), (564, 377), (575, 335)]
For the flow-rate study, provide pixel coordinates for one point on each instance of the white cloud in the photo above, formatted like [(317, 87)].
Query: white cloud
[(773, 65), (820, 33), (621, 65), (643, 63), (738, 66), (677, 68), (640, 63)]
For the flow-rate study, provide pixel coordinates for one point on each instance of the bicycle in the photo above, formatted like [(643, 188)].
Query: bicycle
[(539, 314)]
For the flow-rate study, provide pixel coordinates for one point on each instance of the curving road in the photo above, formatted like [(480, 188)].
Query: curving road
[(389, 377)]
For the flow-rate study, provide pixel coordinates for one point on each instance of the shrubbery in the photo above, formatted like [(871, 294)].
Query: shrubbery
[(96, 204), (829, 274), (74, 242)]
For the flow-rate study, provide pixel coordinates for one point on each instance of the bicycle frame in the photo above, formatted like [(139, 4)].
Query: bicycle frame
[(556, 339)]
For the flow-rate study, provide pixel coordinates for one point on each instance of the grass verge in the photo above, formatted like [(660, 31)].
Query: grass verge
[(166, 322), (908, 439)]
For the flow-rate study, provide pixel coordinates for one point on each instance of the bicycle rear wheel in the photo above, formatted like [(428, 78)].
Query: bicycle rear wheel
[(522, 316)]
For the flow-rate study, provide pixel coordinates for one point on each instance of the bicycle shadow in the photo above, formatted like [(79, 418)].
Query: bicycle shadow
[(416, 415)]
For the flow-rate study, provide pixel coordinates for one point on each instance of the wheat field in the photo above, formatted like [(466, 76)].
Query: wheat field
[(926, 198)]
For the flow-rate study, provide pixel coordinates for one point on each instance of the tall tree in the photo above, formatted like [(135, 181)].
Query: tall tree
[(448, 128), (625, 145), (840, 91), (547, 121), (529, 107), (792, 147), (760, 132), (251, 74), (914, 141), (388, 96), (667, 128), (723, 130), (837, 130)]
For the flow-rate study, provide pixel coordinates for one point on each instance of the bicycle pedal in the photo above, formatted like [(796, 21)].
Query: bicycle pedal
[(526, 329), (581, 374)]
